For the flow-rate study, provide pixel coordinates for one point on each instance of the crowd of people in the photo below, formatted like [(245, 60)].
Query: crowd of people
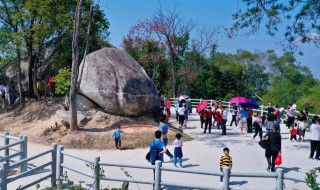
[(243, 118)]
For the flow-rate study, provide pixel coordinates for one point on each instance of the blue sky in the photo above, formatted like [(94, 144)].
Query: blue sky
[(122, 14)]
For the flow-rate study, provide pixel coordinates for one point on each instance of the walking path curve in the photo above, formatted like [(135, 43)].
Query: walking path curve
[(202, 153)]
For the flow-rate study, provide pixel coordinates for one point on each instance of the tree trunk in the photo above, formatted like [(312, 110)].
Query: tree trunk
[(173, 79), (74, 72)]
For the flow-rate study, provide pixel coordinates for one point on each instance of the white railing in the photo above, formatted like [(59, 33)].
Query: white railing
[(195, 102)]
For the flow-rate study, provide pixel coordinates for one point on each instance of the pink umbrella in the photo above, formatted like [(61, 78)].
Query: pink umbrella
[(239, 100), (201, 106)]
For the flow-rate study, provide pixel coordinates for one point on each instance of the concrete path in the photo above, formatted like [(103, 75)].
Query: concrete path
[(202, 153)]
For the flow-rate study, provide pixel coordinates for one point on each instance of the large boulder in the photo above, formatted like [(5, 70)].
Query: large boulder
[(116, 82)]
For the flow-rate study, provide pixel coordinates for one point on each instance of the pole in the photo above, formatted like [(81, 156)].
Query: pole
[(25, 152), (157, 181), (54, 165), (60, 168), (5, 143), (279, 173), (4, 170), (226, 178), (96, 173), (261, 110)]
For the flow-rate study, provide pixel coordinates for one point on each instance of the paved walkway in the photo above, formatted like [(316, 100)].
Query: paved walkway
[(202, 153)]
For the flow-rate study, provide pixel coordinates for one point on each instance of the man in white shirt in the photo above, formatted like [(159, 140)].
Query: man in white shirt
[(315, 139), (224, 120)]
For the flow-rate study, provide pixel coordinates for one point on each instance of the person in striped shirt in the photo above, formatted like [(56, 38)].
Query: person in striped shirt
[(225, 161)]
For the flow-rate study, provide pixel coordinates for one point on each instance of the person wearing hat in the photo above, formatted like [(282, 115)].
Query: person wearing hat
[(315, 138)]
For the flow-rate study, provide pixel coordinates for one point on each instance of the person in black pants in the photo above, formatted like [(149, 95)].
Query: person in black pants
[(234, 115), (315, 138), (257, 124), (249, 120), (208, 118), (274, 147)]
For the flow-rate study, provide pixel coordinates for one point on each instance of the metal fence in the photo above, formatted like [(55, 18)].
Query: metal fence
[(8, 147), (5, 167), (159, 180)]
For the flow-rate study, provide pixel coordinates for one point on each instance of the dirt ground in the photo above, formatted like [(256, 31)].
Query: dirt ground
[(39, 122)]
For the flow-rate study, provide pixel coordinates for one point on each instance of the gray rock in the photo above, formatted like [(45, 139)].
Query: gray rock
[(64, 117), (116, 82)]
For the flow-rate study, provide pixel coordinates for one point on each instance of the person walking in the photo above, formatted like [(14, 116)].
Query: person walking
[(202, 119), (243, 119), (225, 161), (181, 115), (178, 150), (301, 123), (224, 121), (164, 128), (290, 114), (315, 139), (117, 137), (234, 115), (270, 120), (249, 119), (189, 104), (278, 114), (274, 147), (218, 115), (208, 119), (257, 124), (186, 115)]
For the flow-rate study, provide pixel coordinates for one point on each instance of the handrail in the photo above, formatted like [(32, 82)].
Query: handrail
[(191, 171), (76, 156), (195, 102), (13, 178), (28, 159), (10, 145), (76, 170), (126, 165), (128, 180)]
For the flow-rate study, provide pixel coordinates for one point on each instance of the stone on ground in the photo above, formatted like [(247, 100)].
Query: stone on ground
[(117, 83)]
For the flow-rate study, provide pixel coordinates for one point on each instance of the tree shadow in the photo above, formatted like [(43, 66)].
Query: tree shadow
[(238, 183), (191, 165), (287, 170)]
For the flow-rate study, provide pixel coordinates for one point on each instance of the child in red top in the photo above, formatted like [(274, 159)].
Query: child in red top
[(293, 133)]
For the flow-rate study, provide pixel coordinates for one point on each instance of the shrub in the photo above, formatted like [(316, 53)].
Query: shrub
[(63, 80)]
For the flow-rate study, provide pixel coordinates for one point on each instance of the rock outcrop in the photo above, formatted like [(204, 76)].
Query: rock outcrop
[(116, 82)]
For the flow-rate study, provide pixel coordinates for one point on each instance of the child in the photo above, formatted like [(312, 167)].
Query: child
[(117, 137), (186, 115), (293, 133), (225, 161), (177, 150)]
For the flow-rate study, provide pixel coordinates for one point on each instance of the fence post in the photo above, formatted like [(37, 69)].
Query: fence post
[(210, 102), (279, 179), (21, 152), (157, 181), (60, 168), (54, 165), (96, 173), (229, 106), (5, 143), (226, 178), (25, 152), (4, 170), (261, 110)]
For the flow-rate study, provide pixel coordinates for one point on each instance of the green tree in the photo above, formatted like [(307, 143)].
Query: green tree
[(302, 18)]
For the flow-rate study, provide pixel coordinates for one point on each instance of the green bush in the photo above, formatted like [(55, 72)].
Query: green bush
[(63, 80)]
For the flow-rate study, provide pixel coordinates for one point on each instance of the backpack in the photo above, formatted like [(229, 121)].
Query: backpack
[(154, 153)]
